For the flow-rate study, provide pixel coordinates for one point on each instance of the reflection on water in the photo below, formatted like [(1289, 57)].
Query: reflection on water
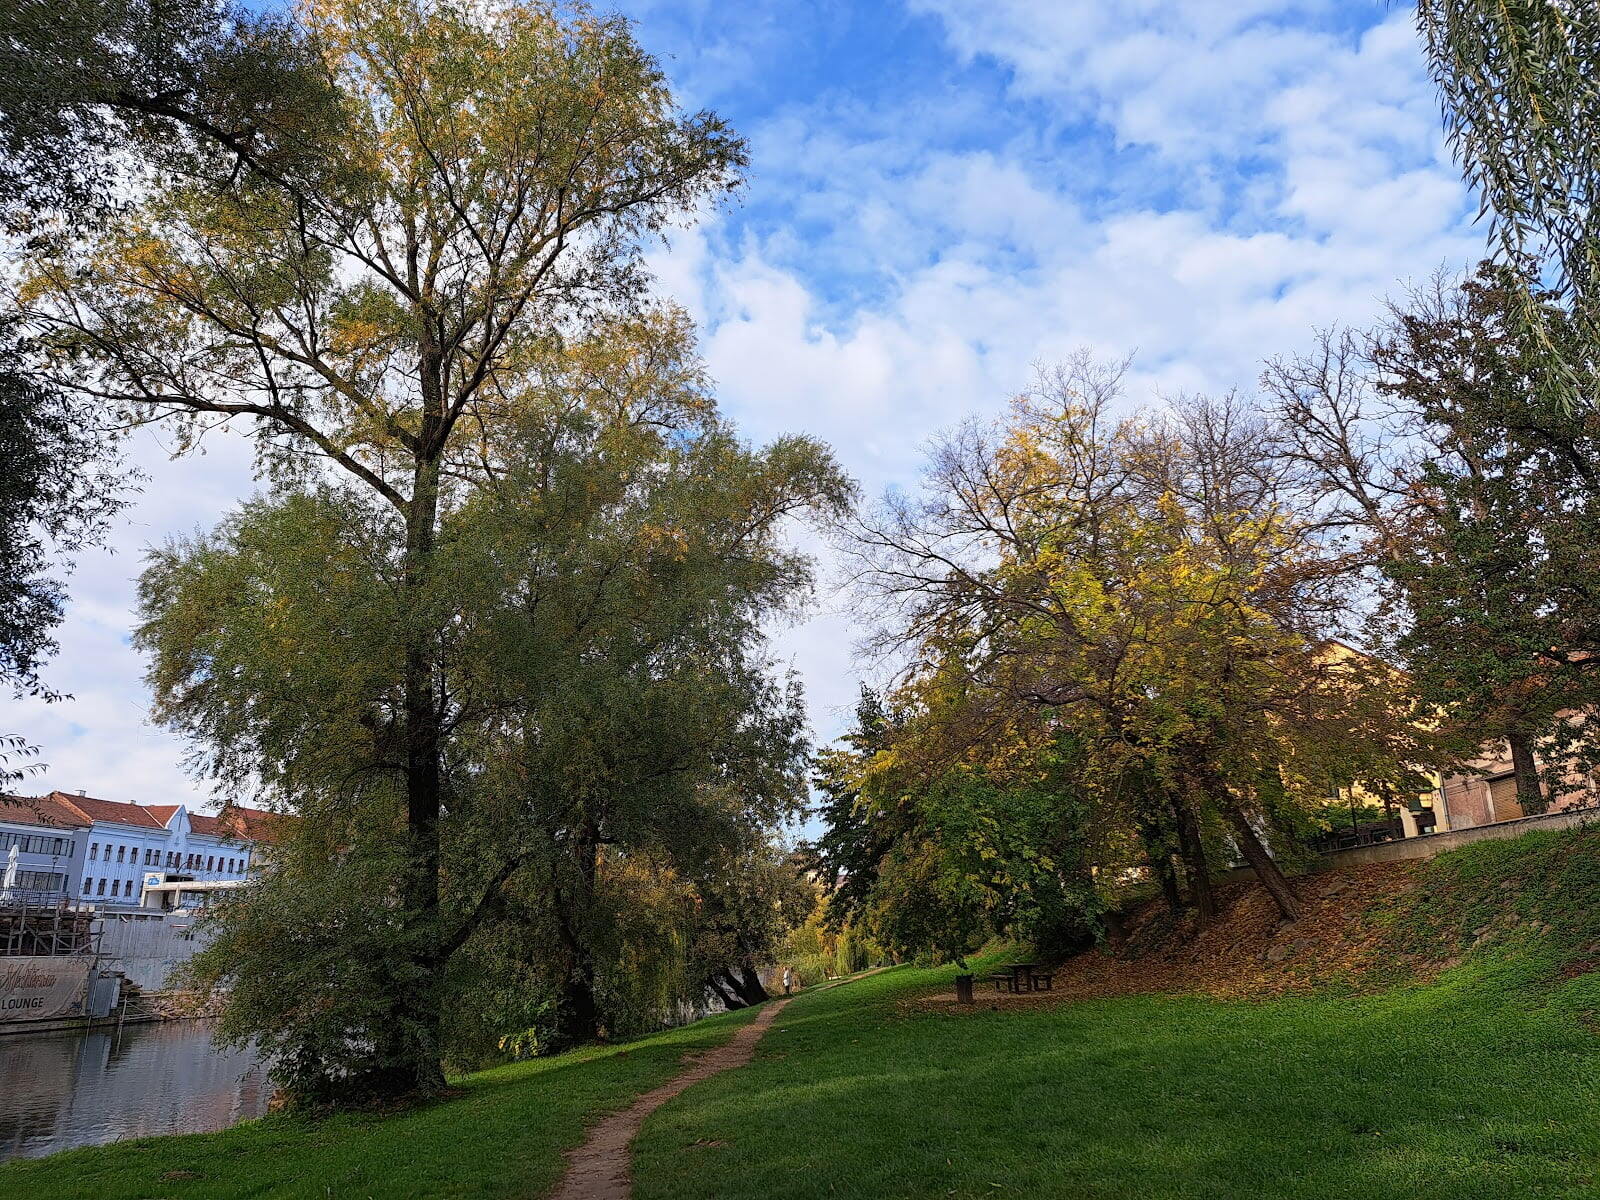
[(59, 1090)]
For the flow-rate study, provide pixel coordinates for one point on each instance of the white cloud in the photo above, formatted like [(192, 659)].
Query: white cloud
[(991, 261)]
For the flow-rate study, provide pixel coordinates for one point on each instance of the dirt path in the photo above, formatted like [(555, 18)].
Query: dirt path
[(598, 1169)]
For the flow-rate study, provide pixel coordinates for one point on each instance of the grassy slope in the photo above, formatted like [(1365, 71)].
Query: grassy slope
[(1483, 1083), (503, 1137)]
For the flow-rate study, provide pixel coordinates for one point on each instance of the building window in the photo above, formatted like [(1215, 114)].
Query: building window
[(210, 861), (120, 851), (34, 843), (40, 881), (94, 851), (88, 886), (101, 890)]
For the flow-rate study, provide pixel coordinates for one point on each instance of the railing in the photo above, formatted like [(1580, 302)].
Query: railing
[(1349, 839), (33, 897)]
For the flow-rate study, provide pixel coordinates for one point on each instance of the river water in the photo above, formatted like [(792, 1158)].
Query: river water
[(59, 1090)]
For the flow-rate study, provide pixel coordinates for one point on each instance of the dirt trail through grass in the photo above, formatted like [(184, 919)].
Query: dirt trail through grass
[(598, 1169)]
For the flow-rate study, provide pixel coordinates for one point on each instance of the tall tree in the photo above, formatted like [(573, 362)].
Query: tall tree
[(1473, 503), (58, 493), (1147, 583), (1522, 110), (487, 190), (597, 594)]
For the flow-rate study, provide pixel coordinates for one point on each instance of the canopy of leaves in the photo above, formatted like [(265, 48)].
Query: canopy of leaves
[(614, 726), (1119, 638), (1473, 501), (1520, 85)]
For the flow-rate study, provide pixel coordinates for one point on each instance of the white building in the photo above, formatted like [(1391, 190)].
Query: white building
[(41, 846), (108, 851)]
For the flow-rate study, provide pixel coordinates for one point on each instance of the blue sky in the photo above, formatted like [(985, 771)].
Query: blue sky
[(944, 195)]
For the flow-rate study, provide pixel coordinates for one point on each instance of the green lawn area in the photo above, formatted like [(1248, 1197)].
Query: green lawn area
[(1455, 1090), (1483, 1083), (503, 1137)]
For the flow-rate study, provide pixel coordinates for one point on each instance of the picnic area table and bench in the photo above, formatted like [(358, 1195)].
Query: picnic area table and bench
[(1023, 977)]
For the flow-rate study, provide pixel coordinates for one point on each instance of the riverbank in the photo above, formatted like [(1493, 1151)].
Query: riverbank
[(503, 1135), (1458, 1090)]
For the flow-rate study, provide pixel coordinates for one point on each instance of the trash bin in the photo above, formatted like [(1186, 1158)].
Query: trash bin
[(963, 989)]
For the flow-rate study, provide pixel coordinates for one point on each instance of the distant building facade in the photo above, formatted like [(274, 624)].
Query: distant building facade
[(42, 844), (1487, 792), (104, 853)]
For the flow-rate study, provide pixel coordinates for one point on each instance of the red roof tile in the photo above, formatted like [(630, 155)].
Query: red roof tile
[(40, 810), (241, 823), (111, 811)]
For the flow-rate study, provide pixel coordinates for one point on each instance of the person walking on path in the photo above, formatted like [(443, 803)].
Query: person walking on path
[(788, 980)]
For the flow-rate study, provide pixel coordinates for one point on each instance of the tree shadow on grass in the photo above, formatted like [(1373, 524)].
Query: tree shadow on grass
[(1452, 1091)]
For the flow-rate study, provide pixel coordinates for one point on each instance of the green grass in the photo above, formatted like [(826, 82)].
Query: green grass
[(1455, 1090), (1483, 1083), (504, 1136)]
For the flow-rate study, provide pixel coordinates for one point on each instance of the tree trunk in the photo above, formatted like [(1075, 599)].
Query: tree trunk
[(749, 980), (724, 991), (1158, 848), (1530, 795), (1167, 876), (577, 1004), (1192, 849), (718, 982), (419, 1003), (577, 1008), (1261, 862)]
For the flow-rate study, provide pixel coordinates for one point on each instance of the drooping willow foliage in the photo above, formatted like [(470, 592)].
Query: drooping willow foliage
[(1520, 84)]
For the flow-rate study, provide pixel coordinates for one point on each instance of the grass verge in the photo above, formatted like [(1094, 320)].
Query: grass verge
[(1478, 1084), (1481, 1083), (504, 1136)]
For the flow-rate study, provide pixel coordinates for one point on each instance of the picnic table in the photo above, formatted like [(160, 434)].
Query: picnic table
[(1017, 977), (1022, 977)]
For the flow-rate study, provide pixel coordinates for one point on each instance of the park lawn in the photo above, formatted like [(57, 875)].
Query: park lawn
[(1483, 1084), (503, 1136)]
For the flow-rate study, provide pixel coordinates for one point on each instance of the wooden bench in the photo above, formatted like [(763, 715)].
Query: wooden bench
[(1042, 980), (1003, 981)]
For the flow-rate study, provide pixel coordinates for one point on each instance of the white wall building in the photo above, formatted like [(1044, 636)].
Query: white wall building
[(107, 851), (41, 846)]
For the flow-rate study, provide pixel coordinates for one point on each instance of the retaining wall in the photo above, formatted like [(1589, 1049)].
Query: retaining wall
[(1430, 844), (148, 951)]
